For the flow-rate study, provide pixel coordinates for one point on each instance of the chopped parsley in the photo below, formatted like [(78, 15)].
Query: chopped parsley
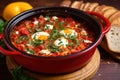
[(54, 48)]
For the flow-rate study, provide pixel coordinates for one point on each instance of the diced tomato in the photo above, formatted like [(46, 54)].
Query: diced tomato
[(30, 26), (42, 20), (70, 22), (61, 19), (14, 37), (21, 47), (24, 31), (82, 46), (38, 48)]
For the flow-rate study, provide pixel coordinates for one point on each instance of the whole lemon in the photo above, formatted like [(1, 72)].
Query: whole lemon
[(15, 8)]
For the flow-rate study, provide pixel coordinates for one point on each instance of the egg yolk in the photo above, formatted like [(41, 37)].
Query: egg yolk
[(67, 31), (43, 37)]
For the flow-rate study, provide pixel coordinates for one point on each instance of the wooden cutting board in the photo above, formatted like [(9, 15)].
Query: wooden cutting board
[(85, 73)]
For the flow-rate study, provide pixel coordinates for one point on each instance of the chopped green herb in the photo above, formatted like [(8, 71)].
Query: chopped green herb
[(61, 24), (77, 41), (72, 37), (38, 28), (30, 42), (47, 18), (18, 74), (21, 38), (2, 25), (60, 42), (71, 44), (30, 51), (54, 48), (55, 34), (38, 42), (46, 27), (30, 30)]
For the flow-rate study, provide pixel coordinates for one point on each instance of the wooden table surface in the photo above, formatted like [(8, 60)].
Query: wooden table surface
[(109, 67)]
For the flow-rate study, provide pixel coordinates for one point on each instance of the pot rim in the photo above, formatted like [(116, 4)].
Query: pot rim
[(66, 9)]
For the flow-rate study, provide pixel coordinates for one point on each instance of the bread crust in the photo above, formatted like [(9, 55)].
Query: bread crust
[(116, 21), (105, 8), (82, 6), (99, 8), (86, 6), (113, 39), (105, 47), (76, 4), (109, 12), (92, 6), (66, 3), (114, 16)]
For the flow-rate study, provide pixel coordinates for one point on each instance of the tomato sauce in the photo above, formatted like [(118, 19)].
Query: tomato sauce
[(51, 36)]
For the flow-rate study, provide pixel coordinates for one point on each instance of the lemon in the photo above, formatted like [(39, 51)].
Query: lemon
[(15, 8)]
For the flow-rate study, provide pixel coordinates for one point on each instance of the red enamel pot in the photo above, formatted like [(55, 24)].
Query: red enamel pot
[(59, 64)]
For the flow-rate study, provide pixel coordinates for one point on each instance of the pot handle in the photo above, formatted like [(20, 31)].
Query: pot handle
[(105, 22), (7, 52)]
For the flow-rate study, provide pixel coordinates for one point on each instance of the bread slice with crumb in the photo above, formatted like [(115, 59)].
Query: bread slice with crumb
[(115, 55), (114, 16), (99, 8), (113, 38), (104, 8), (116, 21), (92, 6), (76, 4), (109, 12), (66, 3), (86, 6), (82, 6)]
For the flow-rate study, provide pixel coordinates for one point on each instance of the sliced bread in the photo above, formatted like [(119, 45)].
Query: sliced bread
[(109, 12), (66, 3), (82, 6), (86, 6), (104, 8), (76, 4), (114, 16), (105, 47), (99, 8), (116, 21), (92, 6), (113, 38)]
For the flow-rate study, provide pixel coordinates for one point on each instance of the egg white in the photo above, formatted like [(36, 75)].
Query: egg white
[(45, 51), (61, 42), (35, 22), (55, 17), (48, 26), (71, 33), (38, 34)]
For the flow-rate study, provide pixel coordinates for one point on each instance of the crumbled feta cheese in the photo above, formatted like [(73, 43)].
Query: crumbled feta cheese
[(50, 26), (46, 51), (87, 41), (83, 32), (35, 22), (46, 19), (61, 42), (17, 32), (55, 17)]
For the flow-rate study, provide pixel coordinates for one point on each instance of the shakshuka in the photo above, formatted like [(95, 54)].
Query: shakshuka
[(51, 36)]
